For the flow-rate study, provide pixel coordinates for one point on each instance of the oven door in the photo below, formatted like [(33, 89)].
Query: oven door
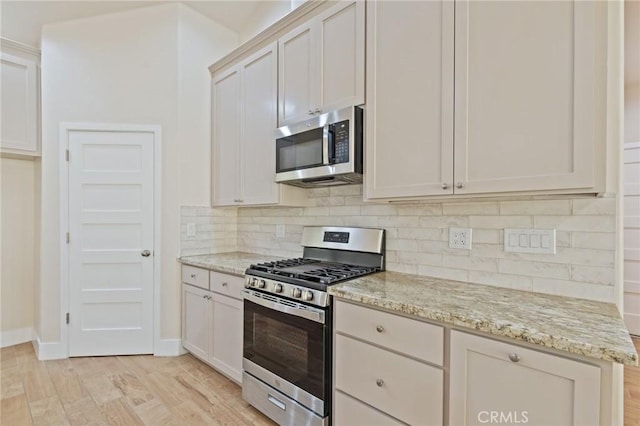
[(288, 346)]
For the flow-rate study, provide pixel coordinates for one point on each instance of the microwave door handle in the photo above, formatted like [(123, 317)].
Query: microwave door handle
[(325, 144)]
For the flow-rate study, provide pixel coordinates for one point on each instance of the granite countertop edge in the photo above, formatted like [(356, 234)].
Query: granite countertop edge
[(362, 290)]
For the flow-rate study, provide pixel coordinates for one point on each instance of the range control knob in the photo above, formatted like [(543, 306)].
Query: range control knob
[(307, 295), (251, 282), (277, 287), (296, 292), (261, 284)]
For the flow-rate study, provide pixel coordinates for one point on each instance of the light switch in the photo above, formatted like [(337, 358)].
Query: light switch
[(541, 241), (191, 229)]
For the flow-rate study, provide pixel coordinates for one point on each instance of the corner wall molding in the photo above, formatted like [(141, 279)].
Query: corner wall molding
[(6, 42)]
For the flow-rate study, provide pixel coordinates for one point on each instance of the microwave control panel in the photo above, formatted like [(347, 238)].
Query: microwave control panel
[(341, 142)]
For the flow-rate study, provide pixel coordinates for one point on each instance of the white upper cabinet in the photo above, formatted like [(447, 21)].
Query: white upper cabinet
[(409, 116), (244, 121), (20, 101), (321, 63), (527, 89), (528, 110)]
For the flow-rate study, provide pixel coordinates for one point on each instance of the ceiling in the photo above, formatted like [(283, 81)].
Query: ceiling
[(22, 20)]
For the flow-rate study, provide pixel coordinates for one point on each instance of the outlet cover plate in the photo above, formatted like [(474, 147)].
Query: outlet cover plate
[(460, 238)]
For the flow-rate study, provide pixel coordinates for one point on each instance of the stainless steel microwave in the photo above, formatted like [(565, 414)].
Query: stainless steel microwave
[(322, 151)]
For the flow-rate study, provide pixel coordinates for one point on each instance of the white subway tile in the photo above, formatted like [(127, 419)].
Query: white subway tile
[(575, 256), (594, 206), (497, 251), (379, 210), (602, 293), (501, 222), (593, 274), (405, 268), (318, 192), (420, 210), (443, 273), (353, 200), (470, 263), (188, 211), (344, 211), (534, 269), (488, 236), (432, 234), (399, 221), (471, 208), (346, 190), (316, 211), (495, 279), (577, 223), (594, 240), (419, 258), (444, 221), (402, 245), (361, 221), (536, 207)]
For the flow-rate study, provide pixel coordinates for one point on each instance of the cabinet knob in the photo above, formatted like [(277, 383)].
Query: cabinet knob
[(514, 357), (224, 284), (380, 383), (445, 185), (193, 275), (310, 112), (379, 329), (459, 185), (317, 111)]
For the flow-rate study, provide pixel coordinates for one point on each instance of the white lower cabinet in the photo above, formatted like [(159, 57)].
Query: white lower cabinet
[(212, 321), (496, 382), (376, 366)]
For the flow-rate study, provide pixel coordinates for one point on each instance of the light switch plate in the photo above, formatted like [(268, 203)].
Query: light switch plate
[(191, 229), (280, 231), (541, 241)]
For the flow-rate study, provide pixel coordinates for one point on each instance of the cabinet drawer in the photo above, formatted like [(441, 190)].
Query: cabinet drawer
[(404, 335), (229, 285), (406, 389), (348, 411), (195, 276)]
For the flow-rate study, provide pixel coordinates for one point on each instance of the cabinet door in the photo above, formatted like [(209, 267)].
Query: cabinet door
[(19, 105), (196, 321), (225, 177), (409, 115), (341, 49), (537, 389), (297, 74), (527, 85), (227, 336), (259, 91)]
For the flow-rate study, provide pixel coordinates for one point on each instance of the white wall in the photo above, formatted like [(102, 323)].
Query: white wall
[(130, 67), (267, 13), (632, 112), (18, 257)]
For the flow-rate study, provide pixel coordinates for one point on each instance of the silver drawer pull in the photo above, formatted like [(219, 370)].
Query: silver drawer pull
[(514, 357), (193, 275), (379, 329), (275, 401), (224, 284), (380, 383)]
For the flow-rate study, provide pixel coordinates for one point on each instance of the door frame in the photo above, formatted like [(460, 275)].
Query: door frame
[(65, 129)]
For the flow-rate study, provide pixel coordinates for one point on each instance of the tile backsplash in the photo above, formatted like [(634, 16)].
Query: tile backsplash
[(417, 237)]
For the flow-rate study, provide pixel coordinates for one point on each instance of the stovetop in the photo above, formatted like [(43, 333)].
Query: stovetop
[(312, 273)]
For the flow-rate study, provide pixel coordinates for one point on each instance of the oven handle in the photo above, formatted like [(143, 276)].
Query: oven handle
[(303, 313), (325, 145)]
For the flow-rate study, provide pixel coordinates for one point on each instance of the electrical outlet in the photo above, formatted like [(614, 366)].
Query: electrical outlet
[(191, 229), (280, 231), (460, 238)]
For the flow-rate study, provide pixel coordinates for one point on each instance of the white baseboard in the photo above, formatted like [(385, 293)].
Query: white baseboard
[(15, 337), (632, 322), (49, 350), (169, 347)]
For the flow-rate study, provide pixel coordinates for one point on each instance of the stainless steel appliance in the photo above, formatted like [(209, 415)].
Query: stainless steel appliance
[(324, 150), (288, 322)]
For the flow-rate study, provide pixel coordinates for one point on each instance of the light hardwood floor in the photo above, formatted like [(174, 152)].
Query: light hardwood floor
[(122, 390), (145, 390)]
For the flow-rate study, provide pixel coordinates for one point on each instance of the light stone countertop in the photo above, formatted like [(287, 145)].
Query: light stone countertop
[(235, 263), (578, 326)]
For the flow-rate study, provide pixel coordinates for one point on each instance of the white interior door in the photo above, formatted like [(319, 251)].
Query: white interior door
[(111, 222), (632, 237)]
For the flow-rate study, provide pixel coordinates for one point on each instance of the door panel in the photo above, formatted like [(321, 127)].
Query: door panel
[(111, 221), (410, 121)]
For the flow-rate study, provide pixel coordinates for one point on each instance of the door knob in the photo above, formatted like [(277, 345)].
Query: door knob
[(145, 253)]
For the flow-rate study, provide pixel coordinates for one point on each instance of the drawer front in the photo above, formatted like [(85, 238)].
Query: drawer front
[(195, 276), (416, 338), (348, 411), (228, 285), (402, 387)]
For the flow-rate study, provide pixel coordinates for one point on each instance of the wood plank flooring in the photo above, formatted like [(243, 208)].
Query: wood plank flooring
[(121, 390), (147, 390)]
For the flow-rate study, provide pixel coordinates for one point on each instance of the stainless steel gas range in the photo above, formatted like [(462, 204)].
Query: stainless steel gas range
[(288, 322)]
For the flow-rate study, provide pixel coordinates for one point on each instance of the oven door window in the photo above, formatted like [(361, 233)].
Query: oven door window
[(299, 151), (288, 346)]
